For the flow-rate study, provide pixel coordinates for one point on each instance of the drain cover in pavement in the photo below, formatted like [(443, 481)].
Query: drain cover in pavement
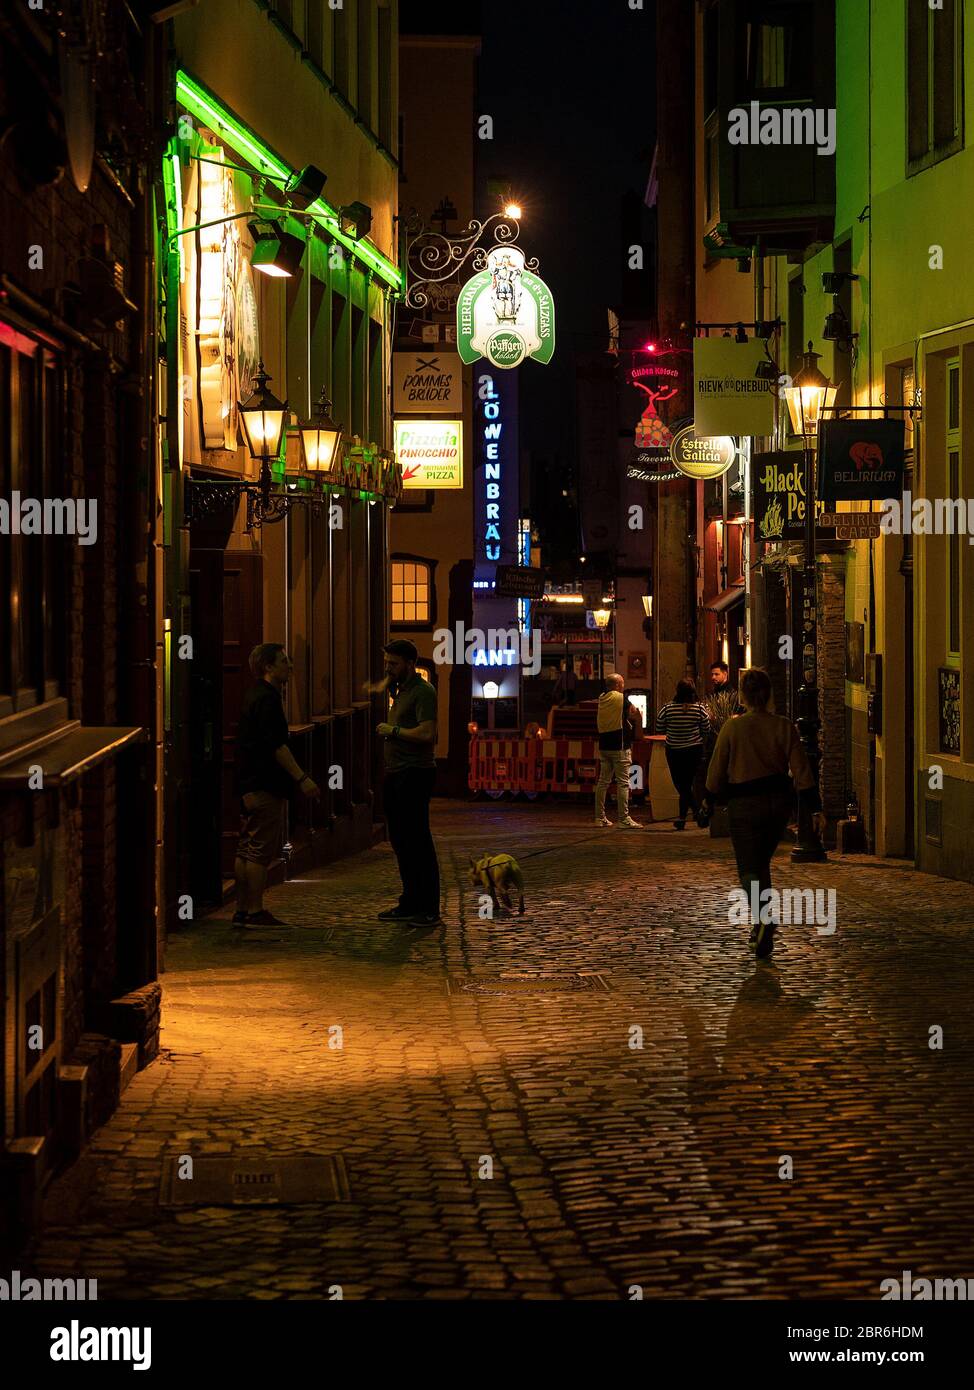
[(246, 1181), (513, 984)]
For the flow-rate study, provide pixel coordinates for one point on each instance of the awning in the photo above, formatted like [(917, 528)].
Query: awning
[(726, 599), (74, 750)]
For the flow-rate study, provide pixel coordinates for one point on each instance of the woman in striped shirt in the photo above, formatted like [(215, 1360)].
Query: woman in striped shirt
[(686, 726)]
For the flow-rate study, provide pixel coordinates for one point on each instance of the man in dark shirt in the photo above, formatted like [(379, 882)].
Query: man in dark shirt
[(267, 774), (410, 738)]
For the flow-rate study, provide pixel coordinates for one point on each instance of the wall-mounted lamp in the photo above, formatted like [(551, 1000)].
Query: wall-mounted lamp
[(809, 396), (321, 440), (276, 252), (262, 417), (491, 690), (305, 186), (648, 605), (355, 220)]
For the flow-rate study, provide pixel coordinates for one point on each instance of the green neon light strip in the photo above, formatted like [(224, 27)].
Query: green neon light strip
[(205, 107)]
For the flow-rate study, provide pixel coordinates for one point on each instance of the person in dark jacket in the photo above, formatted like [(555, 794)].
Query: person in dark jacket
[(758, 764), (267, 774)]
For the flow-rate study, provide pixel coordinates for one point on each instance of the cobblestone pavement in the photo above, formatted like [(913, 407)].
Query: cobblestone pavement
[(613, 1165)]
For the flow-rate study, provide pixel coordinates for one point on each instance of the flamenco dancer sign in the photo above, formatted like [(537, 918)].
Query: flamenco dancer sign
[(505, 312)]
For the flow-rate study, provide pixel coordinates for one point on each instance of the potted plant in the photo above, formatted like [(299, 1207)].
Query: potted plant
[(720, 707)]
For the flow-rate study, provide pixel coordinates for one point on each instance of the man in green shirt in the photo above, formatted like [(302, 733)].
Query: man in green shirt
[(410, 740)]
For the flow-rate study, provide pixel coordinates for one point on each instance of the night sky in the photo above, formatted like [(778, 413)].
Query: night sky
[(571, 88)]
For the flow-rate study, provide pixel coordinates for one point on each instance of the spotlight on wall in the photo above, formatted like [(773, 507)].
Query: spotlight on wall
[(276, 252), (305, 186), (355, 220), (833, 280), (766, 370), (741, 335)]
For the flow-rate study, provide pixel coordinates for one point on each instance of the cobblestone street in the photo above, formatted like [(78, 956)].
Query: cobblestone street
[(613, 1165)]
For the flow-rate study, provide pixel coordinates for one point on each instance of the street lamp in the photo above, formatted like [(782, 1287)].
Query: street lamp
[(601, 618), (262, 416), (809, 396), (321, 439)]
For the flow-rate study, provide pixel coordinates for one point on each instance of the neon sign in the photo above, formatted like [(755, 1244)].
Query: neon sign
[(493, 425)]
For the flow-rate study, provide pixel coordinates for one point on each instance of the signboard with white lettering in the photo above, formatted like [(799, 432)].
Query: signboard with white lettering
[(424, 383), (728, 396), (520, 581), (778, 497), (430, 452)]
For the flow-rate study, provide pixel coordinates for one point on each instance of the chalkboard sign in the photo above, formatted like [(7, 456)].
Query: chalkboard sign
[(949, 709)]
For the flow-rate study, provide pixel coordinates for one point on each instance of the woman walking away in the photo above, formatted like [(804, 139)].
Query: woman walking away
[(685, 724), (750, 767)]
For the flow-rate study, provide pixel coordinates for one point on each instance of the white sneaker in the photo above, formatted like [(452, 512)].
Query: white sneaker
[(629, 824), (603, 822)]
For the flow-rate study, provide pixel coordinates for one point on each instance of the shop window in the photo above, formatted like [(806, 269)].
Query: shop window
[(31, 566), (934, 56), (954, 493), (412, 584)]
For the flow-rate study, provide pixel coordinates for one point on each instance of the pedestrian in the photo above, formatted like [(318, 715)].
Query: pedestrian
[(618, 723), (686, 726), (719, 676), (750, 768), (267, 775), (410, 773), (585, 667), (565, 686)]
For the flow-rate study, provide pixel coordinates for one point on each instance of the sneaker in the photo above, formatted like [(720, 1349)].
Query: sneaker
[(765, 940), (603, 822), (679, 824), (426, 919), (395, 914), (702, 819), (263, 919), (629, 824), (239, 919)]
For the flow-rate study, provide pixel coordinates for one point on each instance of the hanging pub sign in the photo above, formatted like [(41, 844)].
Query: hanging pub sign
[(702, 458), (728, 395), (425, 383), (860, 460), (661, 382), (520, 581), (778, 498), (505, 313)]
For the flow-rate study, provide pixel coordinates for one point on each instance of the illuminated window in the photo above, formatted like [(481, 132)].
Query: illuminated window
[(411, 591)]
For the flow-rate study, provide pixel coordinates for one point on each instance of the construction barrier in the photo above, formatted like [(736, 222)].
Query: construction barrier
[(531, 766)]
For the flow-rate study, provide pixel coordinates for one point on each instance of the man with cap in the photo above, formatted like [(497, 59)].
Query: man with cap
[(410, 740)]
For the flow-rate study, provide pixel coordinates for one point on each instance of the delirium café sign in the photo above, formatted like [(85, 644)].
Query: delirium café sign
[(505, 313)]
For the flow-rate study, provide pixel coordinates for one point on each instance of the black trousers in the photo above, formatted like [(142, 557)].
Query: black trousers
[(757, 824), (683, 764), (406, 797)]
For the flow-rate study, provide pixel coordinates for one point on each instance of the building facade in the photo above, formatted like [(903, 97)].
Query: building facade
[(301, 85), (80, 600)]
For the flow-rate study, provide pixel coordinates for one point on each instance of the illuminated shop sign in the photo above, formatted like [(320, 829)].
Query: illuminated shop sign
[(492, 427), (430, 452), (505, 313), (702, 458)]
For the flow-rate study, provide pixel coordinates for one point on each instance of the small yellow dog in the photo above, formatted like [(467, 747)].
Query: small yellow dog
[(499, 871)]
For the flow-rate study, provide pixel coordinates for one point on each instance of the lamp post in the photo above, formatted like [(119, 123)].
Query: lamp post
[(809, 396), (601, 618), (321, 439)]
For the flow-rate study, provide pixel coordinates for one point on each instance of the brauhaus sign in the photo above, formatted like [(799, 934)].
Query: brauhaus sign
[(505, 313)]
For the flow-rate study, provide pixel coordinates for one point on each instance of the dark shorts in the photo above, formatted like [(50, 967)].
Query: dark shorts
[(261, 827)]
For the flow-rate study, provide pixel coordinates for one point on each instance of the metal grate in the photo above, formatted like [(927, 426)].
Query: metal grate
[(514, 983), (252, 1181)]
